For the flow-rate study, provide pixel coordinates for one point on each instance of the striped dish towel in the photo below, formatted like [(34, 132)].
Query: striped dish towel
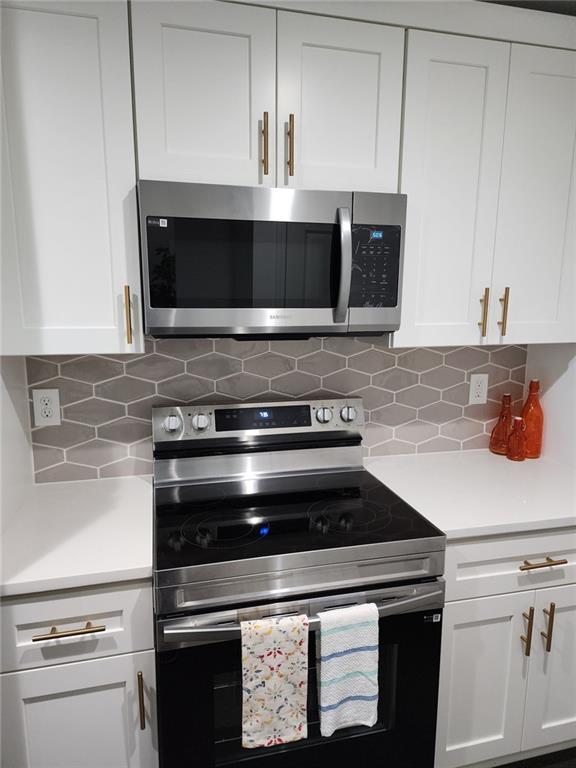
[(274, 680), (348, 679)]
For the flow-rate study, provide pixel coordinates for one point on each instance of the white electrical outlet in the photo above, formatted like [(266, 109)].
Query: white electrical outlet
[(46, 407), (478, 388)]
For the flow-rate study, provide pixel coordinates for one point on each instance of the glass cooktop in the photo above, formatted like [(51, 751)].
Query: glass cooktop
[(190, 531)]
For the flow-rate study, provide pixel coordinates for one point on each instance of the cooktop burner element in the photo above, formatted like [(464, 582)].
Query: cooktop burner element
[(225, 531)]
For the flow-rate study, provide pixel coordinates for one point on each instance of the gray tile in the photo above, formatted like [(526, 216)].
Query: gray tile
[(155, 367), (510, 357), (184, 349), (392, 448), (372, 361), (39, 370), (92, 369), (346, 381), (214, 366), (44, 456), (482, 411), (419, 360), (438, 444), (459, 395), (269, 364), (321, 363), (495, 374), (296, 383), (96, 453), (519, 375), (243, 385), (141, 450), (69, 391), (442, 377), (345, 346), (416, 432), (475, 443), (185, 388), (127, 467), (439, 413), (393, 415), (395, 379), (142, 409), (125, 389), (381, 342), (467, 358), (240, 349), (506, 388), (125, 430), (94, 411), (63, 436), (296, 348), (417, 396), (462, 429), (57, 358), (66, 472), (372, 397), (374, 434)]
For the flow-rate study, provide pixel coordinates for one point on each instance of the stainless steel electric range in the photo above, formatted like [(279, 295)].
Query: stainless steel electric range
[(265, 509)]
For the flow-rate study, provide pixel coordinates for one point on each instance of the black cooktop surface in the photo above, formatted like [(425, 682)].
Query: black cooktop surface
[(348, 510)]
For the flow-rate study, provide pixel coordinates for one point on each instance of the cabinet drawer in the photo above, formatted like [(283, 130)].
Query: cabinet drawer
[(124, 612), (491, 566)]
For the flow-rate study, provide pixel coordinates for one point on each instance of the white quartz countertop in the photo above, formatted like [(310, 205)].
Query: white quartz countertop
[(77, 534), (476, 493)]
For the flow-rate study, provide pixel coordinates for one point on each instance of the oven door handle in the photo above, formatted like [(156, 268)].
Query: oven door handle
[(186, 630), (345, 222)]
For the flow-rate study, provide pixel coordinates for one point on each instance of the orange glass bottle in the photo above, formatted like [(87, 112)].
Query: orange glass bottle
[(517, 440), (503, 427), (534, 419)]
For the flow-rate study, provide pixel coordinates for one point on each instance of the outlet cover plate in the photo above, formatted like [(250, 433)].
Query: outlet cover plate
[(478, 388), (46, 407)]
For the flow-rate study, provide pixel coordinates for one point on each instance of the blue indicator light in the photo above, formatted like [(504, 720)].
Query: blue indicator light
[(263, 531), (264, 414), (376, 235)]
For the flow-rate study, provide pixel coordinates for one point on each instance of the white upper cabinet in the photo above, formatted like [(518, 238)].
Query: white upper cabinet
[(204, 77), (69, 224), (342, 82), (536, 239), (455, 104)]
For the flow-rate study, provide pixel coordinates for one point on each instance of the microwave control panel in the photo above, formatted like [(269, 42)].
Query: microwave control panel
[(375, 265)]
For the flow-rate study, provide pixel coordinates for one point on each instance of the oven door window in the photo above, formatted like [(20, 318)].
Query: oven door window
[(200, 706), (215, 264)]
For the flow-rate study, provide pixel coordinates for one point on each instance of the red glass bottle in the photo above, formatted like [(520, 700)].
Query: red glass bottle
[(534, 419), (517, 440), (503, 427)]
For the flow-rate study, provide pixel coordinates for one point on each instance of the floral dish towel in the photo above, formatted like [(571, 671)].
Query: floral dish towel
[(274, 680)]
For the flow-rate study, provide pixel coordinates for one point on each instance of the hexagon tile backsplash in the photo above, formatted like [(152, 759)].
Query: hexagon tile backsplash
[(415, 399)]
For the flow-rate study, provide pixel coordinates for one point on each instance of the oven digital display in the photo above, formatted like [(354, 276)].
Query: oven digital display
[(232, 419)]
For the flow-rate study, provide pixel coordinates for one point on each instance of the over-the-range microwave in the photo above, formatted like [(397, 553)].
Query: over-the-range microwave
[(243, 261)]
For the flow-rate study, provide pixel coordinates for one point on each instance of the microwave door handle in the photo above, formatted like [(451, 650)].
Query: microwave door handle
[(345, 222)]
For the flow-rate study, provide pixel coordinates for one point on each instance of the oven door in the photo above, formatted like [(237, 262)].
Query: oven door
[(229, 260), (200, 693)]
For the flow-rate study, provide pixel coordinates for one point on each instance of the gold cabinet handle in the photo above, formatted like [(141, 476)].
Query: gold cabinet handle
[(548, 563), (290, 161), (128, 313), (504, 322), (141, 708), (550, 612), (527, 638), (265, 157), (54, 634), (485, 301)]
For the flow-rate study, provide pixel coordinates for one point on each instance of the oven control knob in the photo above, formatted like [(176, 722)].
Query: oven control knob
[(324, 415), (200, 422), (172, 423), (348, 413)]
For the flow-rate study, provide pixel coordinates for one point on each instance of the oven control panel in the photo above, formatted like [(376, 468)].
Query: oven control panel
[(375, 265), (196, 421)]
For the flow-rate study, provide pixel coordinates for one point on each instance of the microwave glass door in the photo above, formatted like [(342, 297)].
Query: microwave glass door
[(196, 263)]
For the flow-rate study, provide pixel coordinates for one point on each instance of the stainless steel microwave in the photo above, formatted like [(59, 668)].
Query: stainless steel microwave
[(239, 261)]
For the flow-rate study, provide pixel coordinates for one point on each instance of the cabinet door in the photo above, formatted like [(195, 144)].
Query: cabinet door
[(536, 239), (82, 715), (551, 698), (453, 131), (204, 75), (483, 674), (69, 225), (342, 82)]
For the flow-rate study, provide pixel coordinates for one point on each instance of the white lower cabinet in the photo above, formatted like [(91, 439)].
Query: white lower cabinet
[(90, 714)]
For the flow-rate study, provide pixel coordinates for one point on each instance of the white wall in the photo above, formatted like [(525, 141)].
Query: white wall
[(15, 452), (555, 366)]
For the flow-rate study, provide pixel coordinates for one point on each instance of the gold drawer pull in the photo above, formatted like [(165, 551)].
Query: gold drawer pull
[(141, 707), (505, 300), (128, 315), (549, 563), (550, 612), (290, 161), (485, 301), (265, 150), (54, 634), (527, 638)]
